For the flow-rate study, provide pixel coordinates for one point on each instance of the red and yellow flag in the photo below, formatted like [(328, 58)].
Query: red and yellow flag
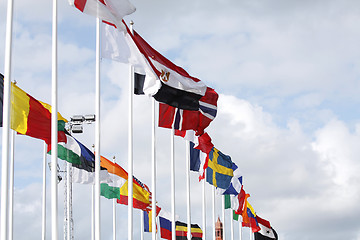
[(31, 117)]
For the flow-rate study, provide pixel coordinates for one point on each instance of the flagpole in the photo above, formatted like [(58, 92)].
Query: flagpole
[(93, 205), (187, 144), (204, 209), (213, 211), (6, 124), (251, 234), (142, 215), (11, 186), (97, 134), (231, 225), (130, 149), (54, 129), (223, 215), (114, 210), (240, 229), (68, 200), (153, 168), (172, 147), (43, 223)]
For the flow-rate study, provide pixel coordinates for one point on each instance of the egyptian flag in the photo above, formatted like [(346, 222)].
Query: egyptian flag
[(266, 232), (167, 82)]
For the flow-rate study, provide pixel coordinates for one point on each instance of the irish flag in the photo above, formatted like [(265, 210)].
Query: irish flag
[(32, 117), (118, 188)]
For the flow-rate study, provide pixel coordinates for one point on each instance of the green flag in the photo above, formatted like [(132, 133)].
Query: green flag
[(235, 216), (227, 201), (109, 192)]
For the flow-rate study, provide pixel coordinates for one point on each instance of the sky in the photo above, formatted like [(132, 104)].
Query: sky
[(288, 77)]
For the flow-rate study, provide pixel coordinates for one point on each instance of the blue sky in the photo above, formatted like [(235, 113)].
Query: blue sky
[(288, 77)]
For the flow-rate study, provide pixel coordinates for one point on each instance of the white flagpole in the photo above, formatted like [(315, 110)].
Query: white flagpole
[(203, 209), (231, 224), (153, 168), (240, 229), (97, 134), (223, 215), (54, 130), (130, 150), (6, 124), (68, 189), (43, 222), (93, 205), (114, 211), (142, 214), (172, 147), (187, 144), (251, 234), (11, 186), (213, 211)]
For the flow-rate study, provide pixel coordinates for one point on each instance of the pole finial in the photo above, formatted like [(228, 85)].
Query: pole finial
[(131, 22)]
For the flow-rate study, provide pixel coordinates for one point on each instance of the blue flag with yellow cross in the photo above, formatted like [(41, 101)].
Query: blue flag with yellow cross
[(219, 171)]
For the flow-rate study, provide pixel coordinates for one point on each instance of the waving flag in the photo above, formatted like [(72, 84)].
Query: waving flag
[(249, 218), (266, 232), (180, 119), (235, 184), (32, 117), (111, 11), (181, 231), (219, 171)]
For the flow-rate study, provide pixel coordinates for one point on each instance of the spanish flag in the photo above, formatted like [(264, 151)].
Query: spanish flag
[(31, 117)]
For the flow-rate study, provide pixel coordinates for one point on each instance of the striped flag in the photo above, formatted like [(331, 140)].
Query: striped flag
[(112, 11)]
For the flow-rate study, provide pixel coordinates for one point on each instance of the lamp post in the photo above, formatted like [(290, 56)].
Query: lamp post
[(75, 125)]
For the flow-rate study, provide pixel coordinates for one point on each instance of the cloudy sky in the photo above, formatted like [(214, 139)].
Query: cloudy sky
[(288, 76)]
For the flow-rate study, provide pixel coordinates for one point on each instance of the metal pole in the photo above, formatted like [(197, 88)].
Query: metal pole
[(43, 222), (172, 147), (153, 168), (231, 224), (11, 187), (93, 205), (97, 134), (54, 130), (130, 151), (142, 214), (213, 211), (6, 124), (114, 211), (240, 229), (223, 215), (187, 144), (68, 166), (204, 209)]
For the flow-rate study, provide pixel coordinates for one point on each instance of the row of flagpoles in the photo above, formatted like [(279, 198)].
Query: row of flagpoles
[(7, 181)]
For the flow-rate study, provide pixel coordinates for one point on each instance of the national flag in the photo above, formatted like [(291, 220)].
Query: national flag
[(141, 193), (31, 117), (82, 161), (181, 231), (236, 202), (197, 120), (112, 11), (148, 219), (165, 227), (219, 171), (249, 218), (266, 232), (235, 216), (235, 185), (165, 81), (139, 80)]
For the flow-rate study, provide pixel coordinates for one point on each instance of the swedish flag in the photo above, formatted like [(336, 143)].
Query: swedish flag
[(219, 171)]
